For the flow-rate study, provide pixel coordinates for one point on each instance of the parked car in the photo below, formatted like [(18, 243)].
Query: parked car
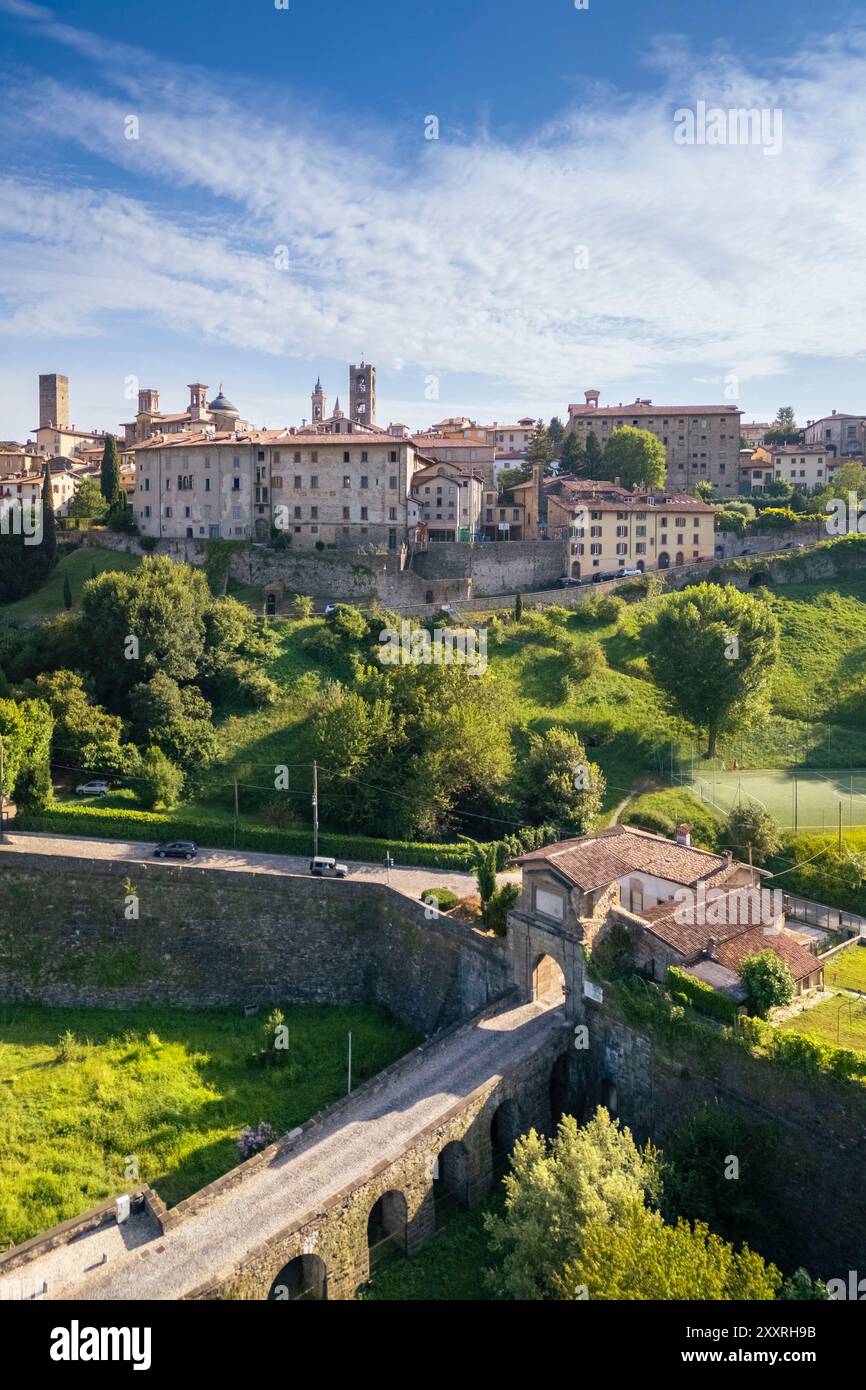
[(322, 867), (603, 578), (97, 786), (627, 574), (566, 582), (176, 849)]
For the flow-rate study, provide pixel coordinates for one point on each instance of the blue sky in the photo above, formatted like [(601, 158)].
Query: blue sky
[(281, 213)]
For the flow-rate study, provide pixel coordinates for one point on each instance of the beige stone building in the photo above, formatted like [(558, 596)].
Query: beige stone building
[(470, 455), (803, 466), (319, 490), (838, 433), (449, 501), (608, 528), (67, 442), (701, 441)]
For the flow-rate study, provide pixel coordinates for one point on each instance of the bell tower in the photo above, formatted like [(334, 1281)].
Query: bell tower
[(362, 394), (318, 403)]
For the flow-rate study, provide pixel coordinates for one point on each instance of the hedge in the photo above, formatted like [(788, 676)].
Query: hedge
[(802, 1053), (701, 996), (117, 824)]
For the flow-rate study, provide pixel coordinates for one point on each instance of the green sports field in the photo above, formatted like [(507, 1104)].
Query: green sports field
[(796, 798)]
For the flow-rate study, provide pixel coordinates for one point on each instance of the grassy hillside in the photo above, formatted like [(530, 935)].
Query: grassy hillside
[(78, 567)]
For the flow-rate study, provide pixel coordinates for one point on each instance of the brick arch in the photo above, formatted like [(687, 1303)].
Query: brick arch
[(387, 1228), (303, 1279), (452, 1180)]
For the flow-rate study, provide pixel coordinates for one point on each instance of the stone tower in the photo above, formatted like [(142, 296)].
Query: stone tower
[(362, 394), (318, 403), (53, 400)]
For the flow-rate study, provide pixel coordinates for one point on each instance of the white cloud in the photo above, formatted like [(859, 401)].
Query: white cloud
[(455, 258)]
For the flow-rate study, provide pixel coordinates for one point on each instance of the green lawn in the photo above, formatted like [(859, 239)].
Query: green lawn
[(78, 566), (840, 1020), (848, 969), (169, 1088)]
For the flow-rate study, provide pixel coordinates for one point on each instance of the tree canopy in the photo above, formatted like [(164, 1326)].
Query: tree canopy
[(636, 457)]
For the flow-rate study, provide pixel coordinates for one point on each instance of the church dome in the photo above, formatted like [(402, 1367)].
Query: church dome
[(223, 404)]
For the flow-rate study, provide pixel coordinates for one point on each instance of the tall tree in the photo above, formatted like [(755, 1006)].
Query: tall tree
[(713, 650), (636, 457), (49, 525), (556, 431), (572, 458), (540, 449), (594, 467), (784, 428), (109, 481)]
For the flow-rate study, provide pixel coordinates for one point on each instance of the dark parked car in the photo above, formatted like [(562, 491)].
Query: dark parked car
[(176, 849), (603, 578), (567, 582)]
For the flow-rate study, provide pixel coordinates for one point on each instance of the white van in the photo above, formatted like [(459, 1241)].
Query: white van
[(327, 868)]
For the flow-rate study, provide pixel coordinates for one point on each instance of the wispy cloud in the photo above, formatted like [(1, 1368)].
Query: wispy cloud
[(452, 256)]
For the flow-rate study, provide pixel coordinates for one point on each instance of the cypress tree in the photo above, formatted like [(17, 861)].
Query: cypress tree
[(109, 481), (67, 592), (49, 526)]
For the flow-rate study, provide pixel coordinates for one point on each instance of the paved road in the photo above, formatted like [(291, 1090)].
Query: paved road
[(376, 1125), (411, 882)]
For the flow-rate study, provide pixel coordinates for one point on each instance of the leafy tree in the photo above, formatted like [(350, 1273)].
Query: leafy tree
[(25, 728), (162, 606), (784, 429), (713, 650), (774, 519), (109, 481), (752, 827), (510, 478), (554, 1191), (559, 784), (640, 1257), (768, 982), (703, 490), (636, 457), (85, 735), (778, 487), (49, 525), (161, 783), (800, 1286), (696, 1179), (595, 464), (154, 702), (67, 592), (500, 905), (88, 504), (556, 431), (729, 520)]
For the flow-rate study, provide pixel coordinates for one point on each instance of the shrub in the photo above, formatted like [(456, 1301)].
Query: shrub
[(702, 996), (499, 907), (443, 898), (252, 1140), (160, 782), (67, 1047), (768, 982)]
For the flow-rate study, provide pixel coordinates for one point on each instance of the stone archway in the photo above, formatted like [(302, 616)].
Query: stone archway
[(575, 569), (303, 1280), (451, 1181), (565, 1097), (680, 560), (386, 1230), (548, 981), (664, 560), (505, 1130)]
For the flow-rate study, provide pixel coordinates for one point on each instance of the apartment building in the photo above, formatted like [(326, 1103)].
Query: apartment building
[(608, 528), (26, 488), (503, 520), (318, 490), (753, 431), (701, 441), (837, 433), (803, 466), (66, 442), (449, 501)]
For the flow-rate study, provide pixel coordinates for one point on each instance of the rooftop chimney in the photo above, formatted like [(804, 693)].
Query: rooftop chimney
[(684, 836), (712, 944)]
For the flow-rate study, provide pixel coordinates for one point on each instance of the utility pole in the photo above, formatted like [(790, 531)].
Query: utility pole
[(2, 795), (236, 815), (349, 1091), (840, 825), (316, 812), (796, 803)]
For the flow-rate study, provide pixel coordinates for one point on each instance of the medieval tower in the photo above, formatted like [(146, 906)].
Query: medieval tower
[(53, 401), (318, 403), (362, 394)]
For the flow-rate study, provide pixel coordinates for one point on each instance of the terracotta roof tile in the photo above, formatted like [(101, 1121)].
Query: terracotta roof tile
[(595, 861)]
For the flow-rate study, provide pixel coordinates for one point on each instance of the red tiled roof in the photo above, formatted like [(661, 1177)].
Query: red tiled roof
[(633, 408), (733, 952), (595, 861)]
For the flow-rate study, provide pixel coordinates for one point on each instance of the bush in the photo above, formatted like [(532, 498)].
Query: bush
[(443, 898), (768, 981), (701, 996), (160, 782), (606, 609), (252, 1140)]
